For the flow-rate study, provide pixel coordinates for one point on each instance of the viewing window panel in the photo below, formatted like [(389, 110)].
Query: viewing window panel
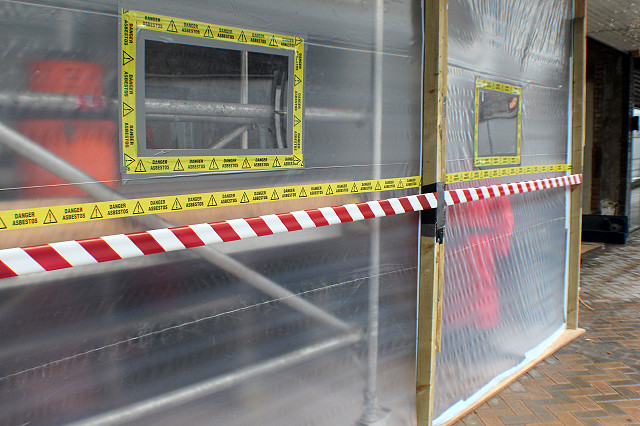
[(498, 109), (199, 97), (223, 99)]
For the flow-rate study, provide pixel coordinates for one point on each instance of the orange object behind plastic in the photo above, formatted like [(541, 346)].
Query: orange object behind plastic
[(90, 145)]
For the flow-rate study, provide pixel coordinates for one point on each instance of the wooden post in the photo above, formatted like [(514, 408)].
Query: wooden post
[(434, 93), (577, 152)]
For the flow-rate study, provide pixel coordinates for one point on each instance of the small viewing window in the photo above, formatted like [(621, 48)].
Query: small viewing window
[(211, 98), (497, 124), (204, 98)]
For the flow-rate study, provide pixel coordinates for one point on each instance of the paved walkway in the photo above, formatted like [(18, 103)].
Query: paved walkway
[(595, 379)]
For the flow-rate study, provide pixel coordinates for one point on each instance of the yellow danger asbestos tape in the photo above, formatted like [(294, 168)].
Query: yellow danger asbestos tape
[(132, 23), (507, 171), (86, 212)]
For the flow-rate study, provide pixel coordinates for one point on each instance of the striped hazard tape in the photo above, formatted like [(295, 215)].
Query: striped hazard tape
[(48, 257)]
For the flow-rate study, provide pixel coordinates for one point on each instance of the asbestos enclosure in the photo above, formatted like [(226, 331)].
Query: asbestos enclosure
[(129, 121), (505, 259), (315, 326)]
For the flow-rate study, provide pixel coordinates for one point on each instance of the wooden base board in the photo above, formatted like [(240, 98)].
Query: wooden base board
[(561, 341), (585, 247)]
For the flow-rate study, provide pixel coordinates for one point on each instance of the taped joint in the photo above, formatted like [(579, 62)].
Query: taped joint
[(432, 222)]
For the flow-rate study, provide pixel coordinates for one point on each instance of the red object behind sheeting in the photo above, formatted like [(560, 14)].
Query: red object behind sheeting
[(90, 145), (87, 144), (471, 294), (69, 77)]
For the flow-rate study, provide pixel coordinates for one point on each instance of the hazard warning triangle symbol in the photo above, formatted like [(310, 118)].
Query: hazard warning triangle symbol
[(296, 80), (354, 188), (208, 33), (329, 191), (126, 58), (126, 109), (276, 163), (96, 213), (176, 205), (50, 218), (128, 160), (2, 225), (212, 202), (400, 184), (244, 198), (273, 42), (303, 193), (296, 159), (138, 208), (178, 167), (140, 167), (245, 164), (213, 165), (298, 40), (274, 196), (242, 37), (378, 188), (172, 27), (296, 120)]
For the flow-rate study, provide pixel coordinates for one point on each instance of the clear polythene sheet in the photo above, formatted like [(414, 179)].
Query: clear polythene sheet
[(503, 289), (273, 330), (72, 48), (504, 270), (110, 340)]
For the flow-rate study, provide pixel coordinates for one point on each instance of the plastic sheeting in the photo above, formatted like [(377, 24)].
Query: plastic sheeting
[(505, 258), (179, 338)]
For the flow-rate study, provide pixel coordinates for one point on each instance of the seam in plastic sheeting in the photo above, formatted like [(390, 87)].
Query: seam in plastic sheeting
[(206, 318)]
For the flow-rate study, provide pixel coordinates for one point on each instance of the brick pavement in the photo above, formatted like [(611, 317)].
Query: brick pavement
[(595, 379)]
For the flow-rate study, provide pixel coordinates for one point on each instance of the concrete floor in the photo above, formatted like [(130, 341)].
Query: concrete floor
[(595, 379)]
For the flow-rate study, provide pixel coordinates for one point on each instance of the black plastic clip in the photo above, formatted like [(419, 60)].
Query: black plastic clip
[(432, 220)]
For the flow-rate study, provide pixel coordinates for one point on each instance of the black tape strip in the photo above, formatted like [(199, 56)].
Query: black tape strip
[(432, 221)]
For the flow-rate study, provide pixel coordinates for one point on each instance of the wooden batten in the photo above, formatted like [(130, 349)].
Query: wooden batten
[(435, 20), (565, 338), (577, 152)]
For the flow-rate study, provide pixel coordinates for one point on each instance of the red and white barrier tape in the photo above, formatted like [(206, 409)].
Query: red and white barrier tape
[(48, 257)]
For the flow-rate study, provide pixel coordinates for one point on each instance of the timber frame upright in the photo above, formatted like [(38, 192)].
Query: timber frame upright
[(578, 106), (434, 92)]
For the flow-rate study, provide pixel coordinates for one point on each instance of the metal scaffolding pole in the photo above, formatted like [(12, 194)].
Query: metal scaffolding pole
[(208, 387), (53, 102), (210, 109), (244, 90), (101, 192), (242, 130), (373, 413), (165, 109)]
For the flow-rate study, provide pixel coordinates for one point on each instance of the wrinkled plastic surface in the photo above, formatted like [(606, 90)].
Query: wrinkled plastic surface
[(504, 267), (90, 340)]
